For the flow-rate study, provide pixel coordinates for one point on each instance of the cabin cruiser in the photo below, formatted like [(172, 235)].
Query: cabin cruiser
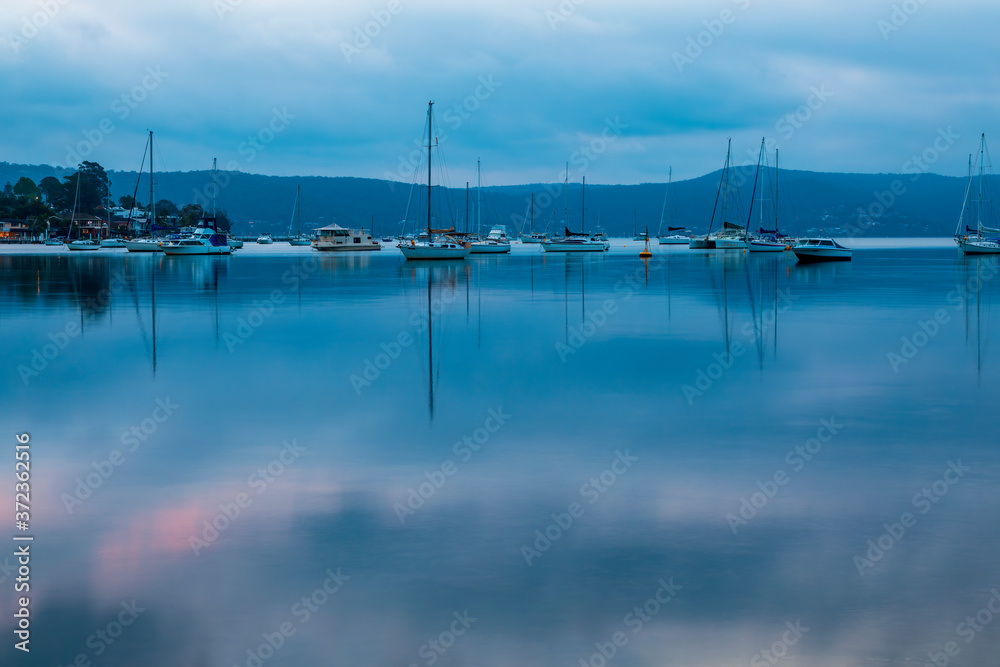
[(265, 239), (820, 250), (495, 242), (335, 237), (204, 241)]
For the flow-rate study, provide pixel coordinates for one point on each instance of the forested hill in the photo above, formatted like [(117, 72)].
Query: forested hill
[(897, 204)]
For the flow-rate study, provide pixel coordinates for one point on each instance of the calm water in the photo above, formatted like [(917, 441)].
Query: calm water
[(705, 444)]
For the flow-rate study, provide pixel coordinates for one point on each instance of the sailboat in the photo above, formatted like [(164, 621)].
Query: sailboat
[(441, 247), (731, 237), (765, 240), (79, 244), (577, 241), (298, 239), (146, 243), (532, 236), (496, 242), (977, 241), (670, 238), (638, 236)]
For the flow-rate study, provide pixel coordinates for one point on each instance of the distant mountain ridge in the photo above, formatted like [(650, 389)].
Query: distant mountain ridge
[(838, 204)]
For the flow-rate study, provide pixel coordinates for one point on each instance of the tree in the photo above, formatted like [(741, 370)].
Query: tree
[(191, 215), (25, 187), (53, 191), (94, 187), (165, 208), (128, 202)]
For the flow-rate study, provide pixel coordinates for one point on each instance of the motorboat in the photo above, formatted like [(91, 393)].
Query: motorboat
[(811, 250), (337, 238), (54, 242), (495, 242), (575, 243), (674, 239), (234, 243), (112, 243), (204, 241), (264, 239)]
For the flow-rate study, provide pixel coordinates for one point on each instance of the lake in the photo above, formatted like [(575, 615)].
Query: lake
[(291, 458)]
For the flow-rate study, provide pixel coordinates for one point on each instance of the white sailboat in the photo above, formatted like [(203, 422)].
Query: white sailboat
[(577, 241), (765, 240), (496, 242), (298, 239), (145, 243), (79, 244), (731, 237), (982, 240), (441, 246), (670, 239)]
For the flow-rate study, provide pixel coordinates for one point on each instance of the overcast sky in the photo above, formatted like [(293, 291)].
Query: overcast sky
[(623, 90)]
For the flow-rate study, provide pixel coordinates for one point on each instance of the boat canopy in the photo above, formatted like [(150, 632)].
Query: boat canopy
[(733, 225), (674, 229)]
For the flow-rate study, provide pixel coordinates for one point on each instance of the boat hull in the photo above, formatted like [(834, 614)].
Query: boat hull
[(112, 243), (142, 246), (83, 246), (300, 242), (814, 255), (434, 251), (970, 247), (701, 244), (674, 240), (196, 250), (730, 244), (489, 249), (590, 246), (529, 239), (344, 247), (767, 246)]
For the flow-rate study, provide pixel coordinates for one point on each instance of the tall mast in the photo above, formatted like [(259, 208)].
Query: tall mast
[(466, 206), (979, 209), (583, 205), (531, 222), (152, 206), (666, 195), (298, 210), (430, 120), (566, 197), (725, 189), (214, 186), (479, 198), (775, 192)]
